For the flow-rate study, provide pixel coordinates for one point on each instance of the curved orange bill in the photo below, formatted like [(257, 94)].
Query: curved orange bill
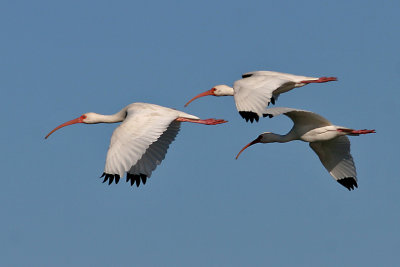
[(77, 120), (206, 93), (249, 144)]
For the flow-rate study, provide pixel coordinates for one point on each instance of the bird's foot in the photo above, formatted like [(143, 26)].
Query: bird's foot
[(356, 132), (207, 121), (365, 131), (320, 80)]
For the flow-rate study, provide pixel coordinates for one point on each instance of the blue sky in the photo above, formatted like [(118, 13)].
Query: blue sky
[(274, 206)]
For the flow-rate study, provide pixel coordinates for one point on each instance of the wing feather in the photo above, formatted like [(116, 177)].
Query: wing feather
[(300, 117), (336, 158), (156, 152), (255, 92), (140, 143)]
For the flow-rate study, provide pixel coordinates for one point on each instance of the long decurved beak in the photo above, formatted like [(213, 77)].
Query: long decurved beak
[(206, 93), (249, 144), (77, 120)]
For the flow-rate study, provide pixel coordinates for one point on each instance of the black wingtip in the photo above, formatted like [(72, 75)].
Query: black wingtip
[(129, 177), (144, 178), (117, 177), (249, 115), (267, 115), (247, 75), (136, 178), (349, 182), (110, 178)]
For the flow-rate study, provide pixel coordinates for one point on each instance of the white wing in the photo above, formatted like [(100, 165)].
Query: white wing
[(140, 143), (287, 76), (299, 117), (336, 158), (253, 94), (153, 155)]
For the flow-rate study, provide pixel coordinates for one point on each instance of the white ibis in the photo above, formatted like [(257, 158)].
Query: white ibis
[(327, 140), (140, 143), (257, 89)]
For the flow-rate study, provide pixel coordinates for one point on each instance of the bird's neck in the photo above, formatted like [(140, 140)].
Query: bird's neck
[(225, 91), (117, 117), (278, 138), (230, 91)]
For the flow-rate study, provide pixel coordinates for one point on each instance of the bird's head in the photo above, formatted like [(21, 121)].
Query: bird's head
[(266, 137), (88, 118), (222, 90), (218, 90)]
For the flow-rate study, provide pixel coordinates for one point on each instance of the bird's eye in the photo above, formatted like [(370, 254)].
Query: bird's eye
[(83, 117)]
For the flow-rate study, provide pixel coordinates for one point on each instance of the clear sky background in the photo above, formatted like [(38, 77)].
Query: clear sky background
[(275, 206)]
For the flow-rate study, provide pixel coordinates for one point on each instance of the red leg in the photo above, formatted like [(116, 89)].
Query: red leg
[(351, 131), (320, 80), (365, 131), (207, 121)]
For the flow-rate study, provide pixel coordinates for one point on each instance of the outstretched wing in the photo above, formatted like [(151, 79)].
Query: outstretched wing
[(336, 158), (254, 93), (140, 143), (298, 116), (153, 155)]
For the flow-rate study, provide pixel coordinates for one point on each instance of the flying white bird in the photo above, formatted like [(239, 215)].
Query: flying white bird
[(257, 89), (327, 140), (140, 143)]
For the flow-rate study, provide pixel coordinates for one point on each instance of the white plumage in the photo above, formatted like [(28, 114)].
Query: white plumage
[(328, 141), (141, 141), (257, 89)]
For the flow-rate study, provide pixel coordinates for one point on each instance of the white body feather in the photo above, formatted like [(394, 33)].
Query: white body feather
[(328, 141), (140, 143)]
